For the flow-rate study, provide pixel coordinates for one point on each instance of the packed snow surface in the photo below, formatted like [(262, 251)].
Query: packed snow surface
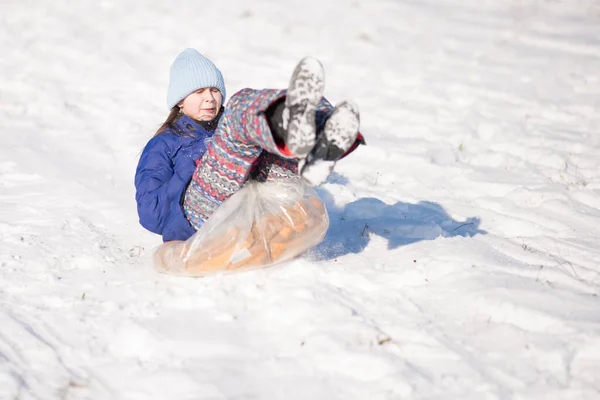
[(463, 257)]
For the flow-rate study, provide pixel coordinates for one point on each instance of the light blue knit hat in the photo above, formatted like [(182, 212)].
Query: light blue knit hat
[(192, 71)]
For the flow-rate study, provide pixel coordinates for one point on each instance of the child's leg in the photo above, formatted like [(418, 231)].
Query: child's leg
[(241, 137), (247, 130)]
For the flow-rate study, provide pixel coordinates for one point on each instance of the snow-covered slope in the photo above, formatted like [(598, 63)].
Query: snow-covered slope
[(463, 260)]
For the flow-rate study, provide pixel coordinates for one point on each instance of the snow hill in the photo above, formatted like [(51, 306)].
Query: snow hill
[(463, 258)]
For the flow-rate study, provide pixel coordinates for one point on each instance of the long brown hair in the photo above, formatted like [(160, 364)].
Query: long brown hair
[(173, 116)]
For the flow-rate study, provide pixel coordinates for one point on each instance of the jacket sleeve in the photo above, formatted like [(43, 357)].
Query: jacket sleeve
[(154, 181)]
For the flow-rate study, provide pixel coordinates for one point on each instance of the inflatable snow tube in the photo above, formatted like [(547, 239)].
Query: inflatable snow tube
[(261, 225)]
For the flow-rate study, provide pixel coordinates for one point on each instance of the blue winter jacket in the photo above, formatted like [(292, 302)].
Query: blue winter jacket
[(163, 173)]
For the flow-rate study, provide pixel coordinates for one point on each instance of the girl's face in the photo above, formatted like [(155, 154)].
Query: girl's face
[(203, 104)]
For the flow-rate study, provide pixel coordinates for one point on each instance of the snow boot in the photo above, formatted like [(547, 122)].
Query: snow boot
[(303, 96), (338, 136)]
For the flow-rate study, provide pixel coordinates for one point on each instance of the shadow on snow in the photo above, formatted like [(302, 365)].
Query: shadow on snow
[(352, 226)]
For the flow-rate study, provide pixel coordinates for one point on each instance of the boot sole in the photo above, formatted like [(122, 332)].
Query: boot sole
[(302, 99), (341, 129)]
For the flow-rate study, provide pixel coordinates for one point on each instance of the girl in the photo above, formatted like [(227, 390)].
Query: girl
[(203, 153)]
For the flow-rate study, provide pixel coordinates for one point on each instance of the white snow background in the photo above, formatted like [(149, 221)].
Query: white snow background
[(463, 258)]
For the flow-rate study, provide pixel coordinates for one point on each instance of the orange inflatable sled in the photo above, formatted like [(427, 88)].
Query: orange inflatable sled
[(263, 224)]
